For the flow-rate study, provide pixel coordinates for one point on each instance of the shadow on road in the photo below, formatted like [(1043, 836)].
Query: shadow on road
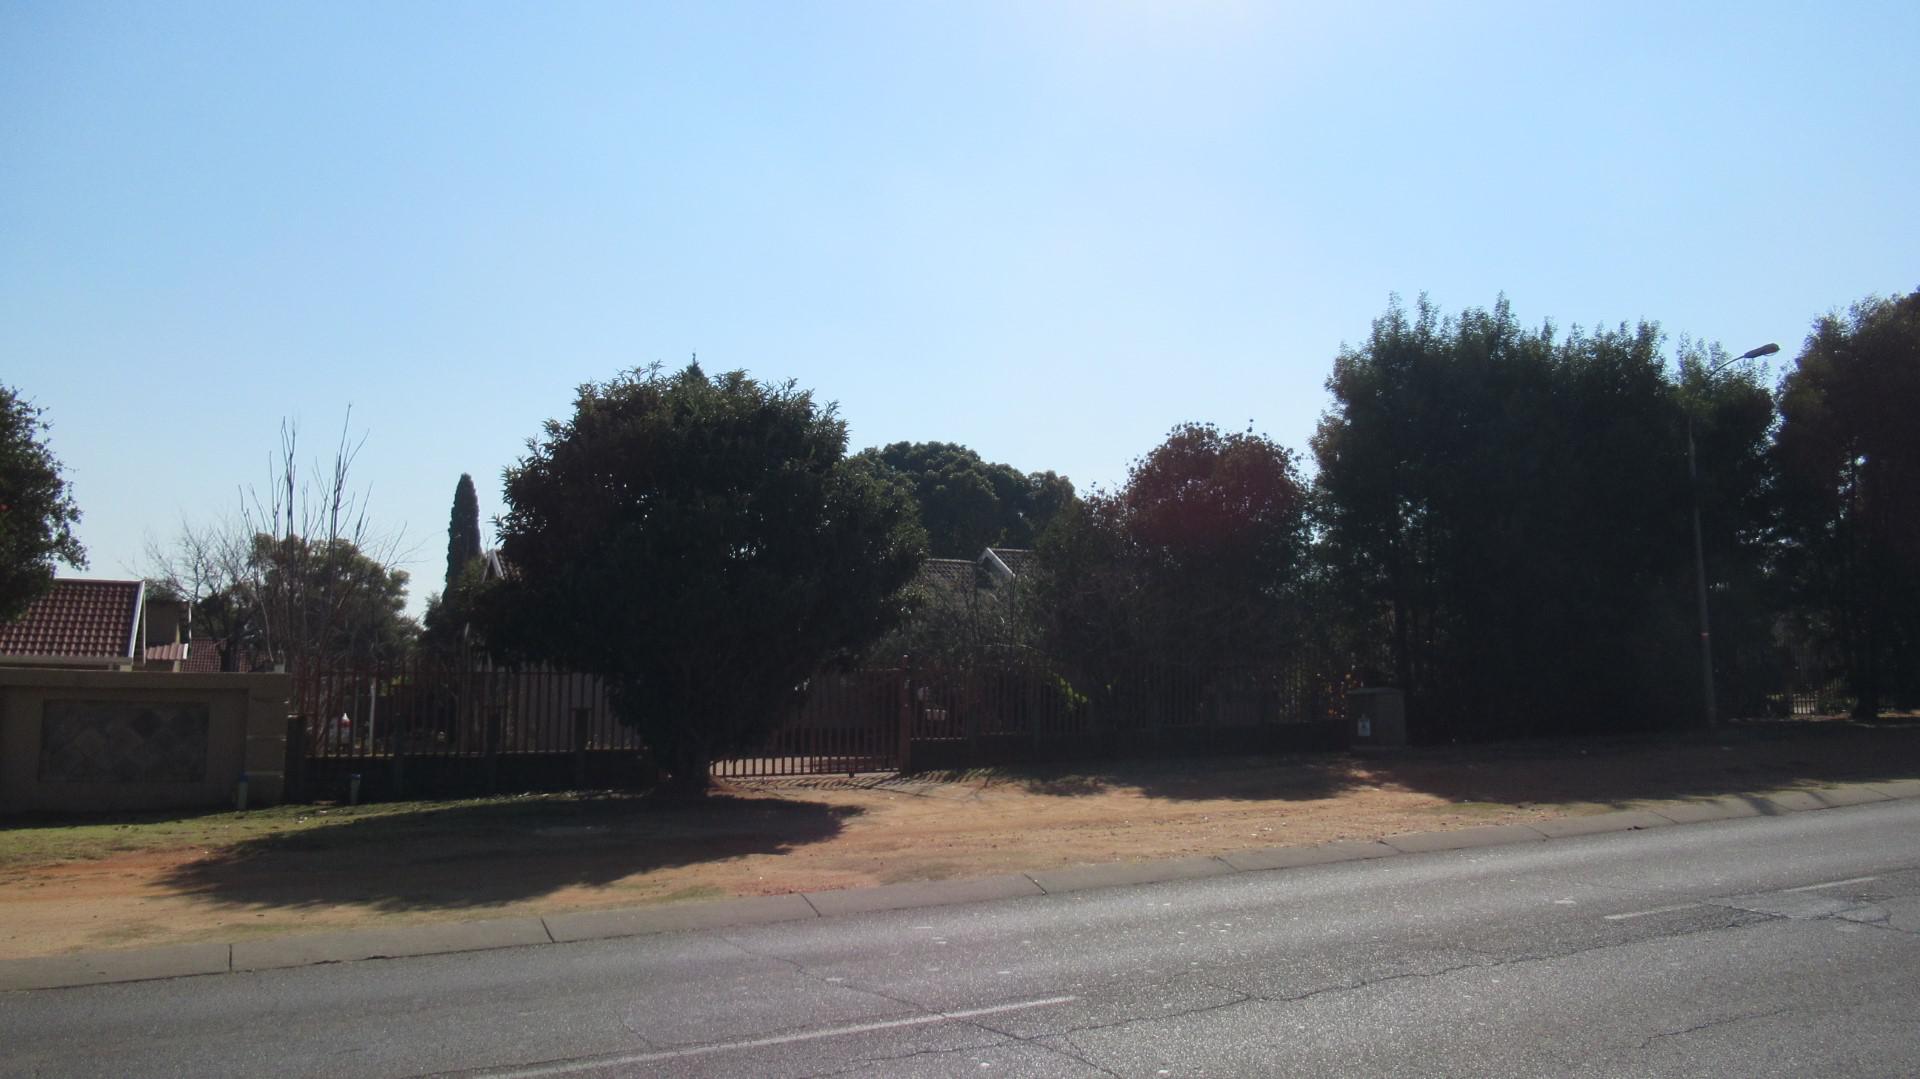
[(426, 860)]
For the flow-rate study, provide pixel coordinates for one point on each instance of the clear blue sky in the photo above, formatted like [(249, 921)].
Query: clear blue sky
[(1047, 231)]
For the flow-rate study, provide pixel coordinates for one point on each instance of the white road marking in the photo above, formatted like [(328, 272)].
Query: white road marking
[(1830, 884), (1644, 913), (571, 1066)]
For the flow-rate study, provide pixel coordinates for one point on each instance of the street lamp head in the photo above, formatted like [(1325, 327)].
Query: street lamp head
[(1767, 349)]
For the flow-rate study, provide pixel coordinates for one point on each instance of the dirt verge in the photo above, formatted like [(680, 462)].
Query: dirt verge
[(83, 886)]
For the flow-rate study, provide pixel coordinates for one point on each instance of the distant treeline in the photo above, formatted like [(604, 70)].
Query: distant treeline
[(1508, 522), (1501, 520)]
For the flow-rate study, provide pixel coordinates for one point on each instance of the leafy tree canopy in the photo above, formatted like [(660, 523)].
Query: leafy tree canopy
[(326, 601), (704, 545), (1192, 563), (37, 511), (1506, 510), (968, 503), (1848, 453)]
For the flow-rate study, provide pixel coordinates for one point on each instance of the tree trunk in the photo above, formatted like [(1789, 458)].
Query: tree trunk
[(689, 771)]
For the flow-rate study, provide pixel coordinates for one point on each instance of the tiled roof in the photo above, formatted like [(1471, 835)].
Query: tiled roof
[(166, 653), (77, 619), (1017, 559), (203, 657), (954, 574)]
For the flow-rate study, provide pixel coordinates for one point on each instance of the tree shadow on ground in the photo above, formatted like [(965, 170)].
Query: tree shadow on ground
[(1297, 777), (473, 855), (1619, 771), (1613, 771)]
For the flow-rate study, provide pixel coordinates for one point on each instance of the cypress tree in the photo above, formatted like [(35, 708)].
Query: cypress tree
[(463, 531)]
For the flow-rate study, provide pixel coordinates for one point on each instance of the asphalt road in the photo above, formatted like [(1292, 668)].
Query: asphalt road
[(1771, 946)]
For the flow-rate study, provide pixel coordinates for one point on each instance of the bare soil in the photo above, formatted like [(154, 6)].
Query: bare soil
[(64, 888)]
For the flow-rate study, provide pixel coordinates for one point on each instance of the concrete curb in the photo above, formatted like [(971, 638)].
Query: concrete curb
[(442, 938), (99, 968), (433, 938), (677, 917), (1079, 878), (1486, 835)]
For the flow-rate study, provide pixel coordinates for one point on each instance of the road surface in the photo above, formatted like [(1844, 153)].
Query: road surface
[(1771, 946)]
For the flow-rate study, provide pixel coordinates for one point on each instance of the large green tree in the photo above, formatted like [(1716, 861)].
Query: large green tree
[(704, 545), (325, 602), (1506, 512), (1848, 453), (968, 503), (1194, 564), (37, 511)]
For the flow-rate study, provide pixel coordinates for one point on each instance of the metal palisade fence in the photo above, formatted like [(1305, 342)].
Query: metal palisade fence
[(1028, 712), (435, 725), (439, 709)]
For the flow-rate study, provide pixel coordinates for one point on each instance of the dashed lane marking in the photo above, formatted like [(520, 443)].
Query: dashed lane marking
[(1645, 913), (1830, 884), (567, 1067)]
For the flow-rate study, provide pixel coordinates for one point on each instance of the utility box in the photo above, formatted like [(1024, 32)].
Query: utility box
[(1379, 717)]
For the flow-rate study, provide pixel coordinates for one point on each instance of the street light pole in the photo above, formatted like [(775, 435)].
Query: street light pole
[(1699, 553)]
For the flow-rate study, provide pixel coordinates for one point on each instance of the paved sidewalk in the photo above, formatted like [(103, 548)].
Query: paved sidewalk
[(61, 971)]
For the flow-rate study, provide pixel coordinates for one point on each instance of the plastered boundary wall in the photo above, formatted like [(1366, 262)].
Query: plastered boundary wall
[(245, 731)]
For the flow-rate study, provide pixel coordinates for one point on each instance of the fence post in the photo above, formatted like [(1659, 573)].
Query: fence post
[(296, 764), (973, 697), (491, 747), (1031, 709), (580, 720), (903, 757)]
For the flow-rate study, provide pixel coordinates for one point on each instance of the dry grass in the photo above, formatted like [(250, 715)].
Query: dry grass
[(72, 884)]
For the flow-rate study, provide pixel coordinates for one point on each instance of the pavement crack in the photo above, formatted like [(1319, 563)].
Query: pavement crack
[(1078, 1054), (1711, 1023), (1384, 979), (1073, 1051), (1737, 917), (1483, 961), (645, 1042), (841, 983)]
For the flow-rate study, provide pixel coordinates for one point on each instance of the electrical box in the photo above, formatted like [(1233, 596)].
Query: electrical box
[(1379, 717)]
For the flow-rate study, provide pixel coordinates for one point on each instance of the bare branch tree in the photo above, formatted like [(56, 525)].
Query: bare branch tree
[(306, 578)]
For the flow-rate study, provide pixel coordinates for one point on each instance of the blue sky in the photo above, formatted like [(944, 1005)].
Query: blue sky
[(1047, 231)]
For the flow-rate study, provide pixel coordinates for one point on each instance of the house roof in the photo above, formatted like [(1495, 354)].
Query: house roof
[(77, 620), (1017, 559), (203, 657), (955, 574), (497, 566)]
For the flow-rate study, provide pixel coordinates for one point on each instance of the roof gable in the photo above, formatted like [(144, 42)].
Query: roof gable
[(77, 619), (1015, 560)]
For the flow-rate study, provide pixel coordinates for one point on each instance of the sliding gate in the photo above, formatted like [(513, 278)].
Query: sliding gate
[(847, 722)]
